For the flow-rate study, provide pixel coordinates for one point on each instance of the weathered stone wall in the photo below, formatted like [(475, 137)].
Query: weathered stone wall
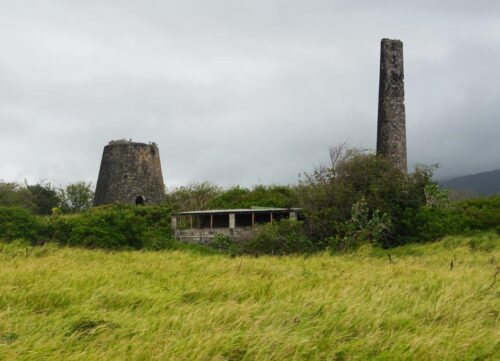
[(129, 170), (391, 132)]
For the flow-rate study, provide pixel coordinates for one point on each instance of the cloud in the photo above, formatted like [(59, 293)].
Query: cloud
[(240, 92)]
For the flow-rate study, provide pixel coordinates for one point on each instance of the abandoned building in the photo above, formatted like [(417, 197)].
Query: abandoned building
[(202, 226), (130, 173)]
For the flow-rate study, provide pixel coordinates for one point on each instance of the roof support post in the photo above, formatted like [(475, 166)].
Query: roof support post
[(232, 220)]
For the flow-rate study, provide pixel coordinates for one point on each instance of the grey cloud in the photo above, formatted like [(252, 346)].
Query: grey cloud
[(240, 92)]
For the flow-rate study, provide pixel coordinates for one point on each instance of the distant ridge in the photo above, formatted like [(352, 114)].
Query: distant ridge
[(481, 184)]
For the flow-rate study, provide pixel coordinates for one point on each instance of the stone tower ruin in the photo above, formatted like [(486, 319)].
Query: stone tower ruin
[(130, 173), (391, 130)]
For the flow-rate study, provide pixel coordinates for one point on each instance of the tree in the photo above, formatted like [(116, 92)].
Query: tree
[(13, 194), (194, 196), (45, 197), (76, 197)]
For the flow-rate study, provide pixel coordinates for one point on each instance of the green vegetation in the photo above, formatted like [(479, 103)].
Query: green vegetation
[(357, 199), (43, 198), (204, 195), (426, 302), (355, 181), (122, 227), (107, 227), (283, 237), (356, 278), (76, 197)]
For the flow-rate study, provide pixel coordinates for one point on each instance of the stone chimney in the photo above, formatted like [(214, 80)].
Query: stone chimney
[(391, 131)]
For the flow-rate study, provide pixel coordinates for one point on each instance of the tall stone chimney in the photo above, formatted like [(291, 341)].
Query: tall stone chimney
[(130, 173), (391, 131)]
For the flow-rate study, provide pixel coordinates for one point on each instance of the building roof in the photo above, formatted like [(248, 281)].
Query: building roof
[(239, 210)]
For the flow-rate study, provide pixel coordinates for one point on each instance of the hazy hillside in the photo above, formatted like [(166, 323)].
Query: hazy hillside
[(485, 183)]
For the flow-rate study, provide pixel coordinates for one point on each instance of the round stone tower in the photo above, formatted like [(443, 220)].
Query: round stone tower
[(130, 173)]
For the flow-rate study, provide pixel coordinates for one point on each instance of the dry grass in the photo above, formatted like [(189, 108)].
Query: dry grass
[(73, 304)]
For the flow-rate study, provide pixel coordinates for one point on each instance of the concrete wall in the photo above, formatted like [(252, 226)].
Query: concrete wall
[(129, 170), (206, 235)]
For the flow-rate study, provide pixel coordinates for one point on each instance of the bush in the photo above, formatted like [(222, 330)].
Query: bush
[(429, 223), (479, 213), (282, 237), (329, 193), (109, 227), (425, 224), (225, 244), (363, 226), (204, 195), (19, 223), (279, 196), (114, 227)]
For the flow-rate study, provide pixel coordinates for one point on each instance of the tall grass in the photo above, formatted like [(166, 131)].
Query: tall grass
[(76, 304)]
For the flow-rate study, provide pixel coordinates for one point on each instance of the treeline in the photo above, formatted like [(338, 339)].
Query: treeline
[(44, 199), (357, 198)]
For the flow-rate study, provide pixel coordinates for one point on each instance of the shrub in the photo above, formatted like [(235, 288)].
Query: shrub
[(282, 237), (114, 227), (225, 244), (425, 224), (16, 222), (479, 213), (204, 195), (280, 196), (363, 226), (108, 227), (329, 193)]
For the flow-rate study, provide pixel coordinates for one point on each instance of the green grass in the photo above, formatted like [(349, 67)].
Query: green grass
[(75, 304)]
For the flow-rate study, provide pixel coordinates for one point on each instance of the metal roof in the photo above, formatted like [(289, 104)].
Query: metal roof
[(238, 210)]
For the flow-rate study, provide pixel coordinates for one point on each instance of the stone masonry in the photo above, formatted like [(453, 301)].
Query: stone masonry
[(391, 131), (130, 173)]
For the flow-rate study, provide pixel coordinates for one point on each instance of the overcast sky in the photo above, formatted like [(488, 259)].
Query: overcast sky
[(241, 92)]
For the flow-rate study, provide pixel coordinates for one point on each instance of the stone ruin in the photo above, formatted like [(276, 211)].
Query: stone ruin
[(391, 130), (130, 173)]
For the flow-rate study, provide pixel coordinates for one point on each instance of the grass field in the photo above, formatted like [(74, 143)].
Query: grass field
[(74, 304)]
